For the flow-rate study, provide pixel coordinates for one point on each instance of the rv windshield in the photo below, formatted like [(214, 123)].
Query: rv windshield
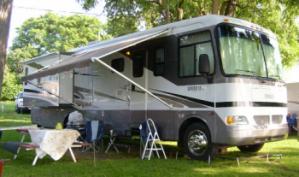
[(247, 52)]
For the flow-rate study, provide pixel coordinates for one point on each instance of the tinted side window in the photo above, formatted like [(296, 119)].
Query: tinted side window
[(118, 64), (138, 63), (159, 62), (191, 47)]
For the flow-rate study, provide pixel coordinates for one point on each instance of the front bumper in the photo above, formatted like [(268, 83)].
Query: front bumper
[(238, 135)]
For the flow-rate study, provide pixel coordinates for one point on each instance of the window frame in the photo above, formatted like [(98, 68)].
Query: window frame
[(118, 60), (159, 63), (143, 63), (194, 48)]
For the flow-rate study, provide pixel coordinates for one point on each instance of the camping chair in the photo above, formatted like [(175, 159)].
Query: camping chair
[(143, 131), (112, 138), (24, 133), (94, 132), (15, 147)]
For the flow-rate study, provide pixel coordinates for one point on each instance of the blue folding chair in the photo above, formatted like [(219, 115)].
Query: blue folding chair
[(143, 130), (94, 133)]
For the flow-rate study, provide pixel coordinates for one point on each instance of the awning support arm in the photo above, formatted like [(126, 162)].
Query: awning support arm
[(130, 80)]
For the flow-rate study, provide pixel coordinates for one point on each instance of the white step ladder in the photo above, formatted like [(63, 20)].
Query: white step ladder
[(152, 141)]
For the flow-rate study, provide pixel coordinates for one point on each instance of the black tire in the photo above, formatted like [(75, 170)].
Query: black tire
[(251, 148), (18, 110), (197, 142)]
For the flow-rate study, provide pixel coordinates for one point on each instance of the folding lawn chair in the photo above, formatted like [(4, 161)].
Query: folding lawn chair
[(24, 133), (112, 138), (94, 132)]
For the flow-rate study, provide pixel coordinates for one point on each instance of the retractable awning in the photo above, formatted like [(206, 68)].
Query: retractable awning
[(83, 56)]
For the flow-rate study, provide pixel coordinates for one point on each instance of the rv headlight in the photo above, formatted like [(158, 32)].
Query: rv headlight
[(236, 120)]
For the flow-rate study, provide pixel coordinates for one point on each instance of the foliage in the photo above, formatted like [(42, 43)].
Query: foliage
[(20, 54), (279, 17), (11, 86), (52, 33), (126, 16)]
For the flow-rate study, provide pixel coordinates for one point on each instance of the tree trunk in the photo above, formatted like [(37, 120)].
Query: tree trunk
[(180, 10), (230, 7), (5, 14), (215, 6), (166, 11)]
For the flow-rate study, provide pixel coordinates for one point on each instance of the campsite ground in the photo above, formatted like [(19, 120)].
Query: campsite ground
[(123, 164)]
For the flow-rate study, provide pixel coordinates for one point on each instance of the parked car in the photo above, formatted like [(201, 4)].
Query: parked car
[(20, 108)]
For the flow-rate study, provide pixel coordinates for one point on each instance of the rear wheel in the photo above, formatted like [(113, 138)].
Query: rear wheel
[(197, 142), (251, 148), (18, 110)]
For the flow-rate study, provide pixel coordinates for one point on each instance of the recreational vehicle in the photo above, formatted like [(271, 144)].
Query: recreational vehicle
[(207, 81)]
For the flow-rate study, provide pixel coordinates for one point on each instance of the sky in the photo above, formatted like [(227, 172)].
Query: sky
[(25, 9)]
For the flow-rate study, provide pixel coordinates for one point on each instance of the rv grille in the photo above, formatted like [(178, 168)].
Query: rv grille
[(276, 119), (262, 120)]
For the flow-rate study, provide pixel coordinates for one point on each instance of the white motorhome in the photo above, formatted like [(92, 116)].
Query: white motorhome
[(206, 81)]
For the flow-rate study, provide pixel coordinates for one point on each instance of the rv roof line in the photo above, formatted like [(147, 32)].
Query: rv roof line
[(67, 53), (103, 45), (206, 20), (40, 57)]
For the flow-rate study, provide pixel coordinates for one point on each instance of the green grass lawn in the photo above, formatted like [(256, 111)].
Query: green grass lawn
[(123, 164)]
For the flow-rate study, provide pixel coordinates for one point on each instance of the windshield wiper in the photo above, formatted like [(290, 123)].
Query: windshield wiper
[(247, 71), (274, 76)]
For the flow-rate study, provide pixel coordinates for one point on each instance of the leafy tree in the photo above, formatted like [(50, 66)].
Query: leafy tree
[(5, 15), (10, 86), (48, 33), (52, 33), (277, 15)]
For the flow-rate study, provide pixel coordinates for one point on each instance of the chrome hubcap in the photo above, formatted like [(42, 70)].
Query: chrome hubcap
[(197, 142)]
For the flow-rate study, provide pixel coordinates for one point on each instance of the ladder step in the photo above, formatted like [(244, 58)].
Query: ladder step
[(154, 149)]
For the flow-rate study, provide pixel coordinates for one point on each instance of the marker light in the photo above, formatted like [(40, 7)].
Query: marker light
[(226, 20), (128, 53), (236, 120), (229, 120)]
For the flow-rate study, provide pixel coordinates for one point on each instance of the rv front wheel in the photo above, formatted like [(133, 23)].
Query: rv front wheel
[(197, 141), (251, 148)]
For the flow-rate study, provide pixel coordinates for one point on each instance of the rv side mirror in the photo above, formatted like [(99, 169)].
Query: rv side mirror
[(203, 64)]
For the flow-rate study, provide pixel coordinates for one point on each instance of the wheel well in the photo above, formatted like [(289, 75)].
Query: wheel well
[(184, 126)]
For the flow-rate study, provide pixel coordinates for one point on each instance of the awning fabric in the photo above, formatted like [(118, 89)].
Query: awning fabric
[(83, 56)]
